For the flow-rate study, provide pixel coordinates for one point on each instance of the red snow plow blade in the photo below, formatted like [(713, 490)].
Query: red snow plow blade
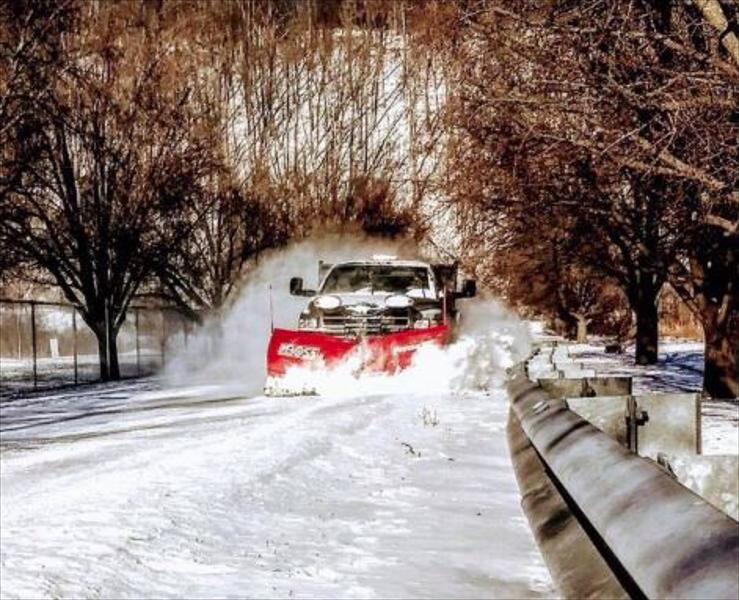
[(379, 353)]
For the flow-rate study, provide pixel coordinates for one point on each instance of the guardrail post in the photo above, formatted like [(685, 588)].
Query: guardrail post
[(635, 418), (33, 343)]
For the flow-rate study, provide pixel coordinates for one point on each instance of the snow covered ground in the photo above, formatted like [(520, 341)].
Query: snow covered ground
[(680, 366), (133, 491), (393, 488), (16, 375)]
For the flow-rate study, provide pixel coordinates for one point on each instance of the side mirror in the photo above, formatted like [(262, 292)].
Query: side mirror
[(469, 289), (296, 288)]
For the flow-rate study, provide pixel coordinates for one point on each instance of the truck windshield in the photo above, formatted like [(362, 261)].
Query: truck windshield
[(375, 278)]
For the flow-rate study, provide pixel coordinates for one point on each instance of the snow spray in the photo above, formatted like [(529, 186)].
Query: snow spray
[(232, 349)]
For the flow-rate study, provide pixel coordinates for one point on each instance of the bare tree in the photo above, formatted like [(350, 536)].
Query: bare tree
[(105, 163), (228, 237), (622, 115)]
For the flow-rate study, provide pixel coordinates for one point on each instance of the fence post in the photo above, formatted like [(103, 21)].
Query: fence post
[(74, 342), (138, 345), (33, 343)]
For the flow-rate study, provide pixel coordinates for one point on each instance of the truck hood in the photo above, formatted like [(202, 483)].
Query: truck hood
[(355, 298), (376, 299)]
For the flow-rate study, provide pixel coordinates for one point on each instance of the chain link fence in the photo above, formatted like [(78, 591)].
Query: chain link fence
[(48, 344)]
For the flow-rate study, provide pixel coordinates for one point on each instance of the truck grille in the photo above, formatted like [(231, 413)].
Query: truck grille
[(348, 324)]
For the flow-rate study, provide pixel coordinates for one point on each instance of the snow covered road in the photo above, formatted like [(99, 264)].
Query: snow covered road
[(202, 492)]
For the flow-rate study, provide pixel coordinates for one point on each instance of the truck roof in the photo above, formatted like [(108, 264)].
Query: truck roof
[(383, 260)]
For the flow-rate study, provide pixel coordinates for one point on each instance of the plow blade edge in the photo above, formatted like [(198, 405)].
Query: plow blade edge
[(378, 353)]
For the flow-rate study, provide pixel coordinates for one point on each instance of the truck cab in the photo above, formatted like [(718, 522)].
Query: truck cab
[(380, 296)]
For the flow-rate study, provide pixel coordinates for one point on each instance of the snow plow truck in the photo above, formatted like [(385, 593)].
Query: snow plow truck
[(382, 308)]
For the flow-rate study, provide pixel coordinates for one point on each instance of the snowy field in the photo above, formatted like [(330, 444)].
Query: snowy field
[(135, 491), (16, 375)]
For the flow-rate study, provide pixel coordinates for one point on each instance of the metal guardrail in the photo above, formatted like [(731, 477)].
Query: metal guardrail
[(663, 539), (576, 565)]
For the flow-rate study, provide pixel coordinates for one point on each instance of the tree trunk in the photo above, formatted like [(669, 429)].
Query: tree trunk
[(647, 327), (115, 369), (714, 298), (107, 346), (582, 329), (721, 360), (18, 328)]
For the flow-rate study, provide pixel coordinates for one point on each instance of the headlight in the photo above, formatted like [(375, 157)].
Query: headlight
[(307, 323), (422, 324), (327, 302), (398, 301)]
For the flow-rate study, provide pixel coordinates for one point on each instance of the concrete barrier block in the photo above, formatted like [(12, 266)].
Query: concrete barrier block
[(539, 368), (674, 425), (568, 360), (607, 413), (541, 359), (586, 386), (568, 364)]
